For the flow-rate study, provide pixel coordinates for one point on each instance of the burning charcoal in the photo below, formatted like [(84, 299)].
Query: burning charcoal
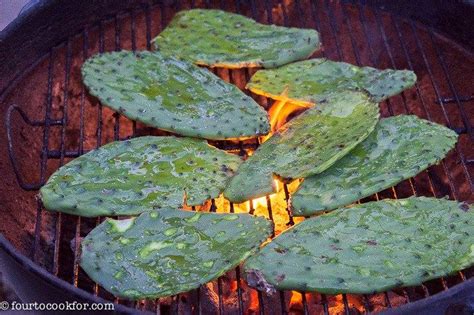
[(222, 39), (307, 145), (312, 81), (173, 95), (399, 148), (162, 253), (415, 240), (142, 174)]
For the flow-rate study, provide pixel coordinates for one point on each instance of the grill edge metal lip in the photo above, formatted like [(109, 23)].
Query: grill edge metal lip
[(28, 266)]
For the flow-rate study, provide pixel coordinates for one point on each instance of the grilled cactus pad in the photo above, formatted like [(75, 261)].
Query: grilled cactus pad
[(400, 147), (310, 81), (162, 253), (368, 248), (173, 95), (307, 145), (133, 176), (221, 39)]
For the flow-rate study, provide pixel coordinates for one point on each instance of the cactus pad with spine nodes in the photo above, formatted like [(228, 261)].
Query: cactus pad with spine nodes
[(162, 253), (307, 145), (399, 148), (368, 248), (173, 95), (310, 81), (221, 39), (137, 175)]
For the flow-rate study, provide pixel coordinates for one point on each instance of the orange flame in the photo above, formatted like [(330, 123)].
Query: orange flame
[(279, 113), (296, 301), (262, 201)]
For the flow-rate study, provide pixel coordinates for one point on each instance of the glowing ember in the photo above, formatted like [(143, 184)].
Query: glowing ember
[(254, 303)]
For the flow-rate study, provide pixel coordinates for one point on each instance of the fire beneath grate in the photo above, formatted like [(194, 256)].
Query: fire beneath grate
[(59, 121)]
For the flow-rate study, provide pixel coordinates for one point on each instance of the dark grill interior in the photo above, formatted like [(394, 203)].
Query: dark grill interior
[(51, 119)]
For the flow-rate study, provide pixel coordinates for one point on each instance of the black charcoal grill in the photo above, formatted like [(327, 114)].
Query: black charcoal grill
[(50, 119)]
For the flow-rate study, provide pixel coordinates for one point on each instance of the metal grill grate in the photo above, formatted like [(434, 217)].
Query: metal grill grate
[(350, 32)]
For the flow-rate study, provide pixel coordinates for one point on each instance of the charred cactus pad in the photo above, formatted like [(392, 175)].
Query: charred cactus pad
[(222, 39), (307, 145), (368, 248), (173, 95), (162, 253), (311, 81), (399, 148), (142, 174)]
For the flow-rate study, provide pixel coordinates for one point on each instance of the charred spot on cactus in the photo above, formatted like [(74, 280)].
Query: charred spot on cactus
[(425, 273), (280, 250), (340, 280), (280, 277), (464, 206), (335, 240), (334, 247)]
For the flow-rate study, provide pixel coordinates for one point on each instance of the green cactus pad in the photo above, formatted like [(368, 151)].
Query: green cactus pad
[(307, 145), (173, 95), (368, 248), (399, 148), (162, 253), (310, 81), (142, 174), (221, 39)]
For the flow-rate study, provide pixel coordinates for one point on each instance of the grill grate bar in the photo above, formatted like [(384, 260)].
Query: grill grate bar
[(324, 301), (305, 303), (117, 48), (148, 27), (261, 304), (452, 88), (77, 235), (284, 310), (387, 300), (346, 304), (268, 8), (334, 28), (49, 101), (99, 104), (99, 124), (420, 97), (67, 70), (219, 293), (367, 304), (237, 276), (134, 47), (438, 96), (38, 221)]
